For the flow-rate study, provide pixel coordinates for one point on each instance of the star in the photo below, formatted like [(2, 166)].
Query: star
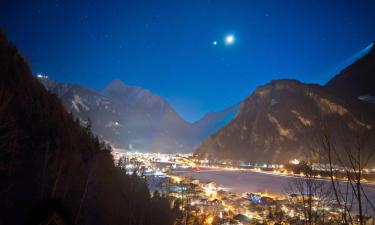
[(214, 43)]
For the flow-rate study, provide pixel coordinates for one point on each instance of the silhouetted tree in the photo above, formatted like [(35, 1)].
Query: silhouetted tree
[(349, 159)]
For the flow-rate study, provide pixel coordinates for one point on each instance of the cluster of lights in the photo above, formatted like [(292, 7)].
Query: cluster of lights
[(210, 191), (41, 76), (295, 161)]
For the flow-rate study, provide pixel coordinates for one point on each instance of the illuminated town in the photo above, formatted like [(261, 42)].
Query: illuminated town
[(205, 202), (188, 112)]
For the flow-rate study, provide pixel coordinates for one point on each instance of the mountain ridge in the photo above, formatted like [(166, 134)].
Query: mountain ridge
[(358, 79), (131, 117), (281, 119)]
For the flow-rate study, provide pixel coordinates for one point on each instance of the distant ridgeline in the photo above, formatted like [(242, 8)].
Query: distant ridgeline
[(52, 170), (285, 119), (134, 118)]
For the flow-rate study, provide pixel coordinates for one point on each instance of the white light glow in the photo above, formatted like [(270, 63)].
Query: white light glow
[(229, 39), (295, 161)]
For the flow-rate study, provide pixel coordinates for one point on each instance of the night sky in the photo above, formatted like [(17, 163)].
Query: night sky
[(168, 46)]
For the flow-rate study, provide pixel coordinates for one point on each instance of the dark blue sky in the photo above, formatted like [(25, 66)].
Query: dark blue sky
[(166, 46)]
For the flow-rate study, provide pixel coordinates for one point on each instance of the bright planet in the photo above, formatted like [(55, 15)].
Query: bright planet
[(187, 112), (229, 39)]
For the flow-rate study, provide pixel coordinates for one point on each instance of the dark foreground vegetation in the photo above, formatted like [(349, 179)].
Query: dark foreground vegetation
[(54, 169)]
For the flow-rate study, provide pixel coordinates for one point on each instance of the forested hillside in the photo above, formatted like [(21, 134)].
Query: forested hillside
[(50, 165)]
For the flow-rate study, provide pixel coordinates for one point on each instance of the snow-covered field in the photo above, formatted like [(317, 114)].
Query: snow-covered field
[(249, 181)]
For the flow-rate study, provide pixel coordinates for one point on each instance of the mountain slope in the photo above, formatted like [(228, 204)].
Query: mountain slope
[(135, 96), (49, 164), (214, 121), (152, 122), (358, 79), (280, 121), (126, 116), (134, 118)]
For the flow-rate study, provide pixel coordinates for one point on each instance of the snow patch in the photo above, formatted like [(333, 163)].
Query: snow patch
[(332, 107), (328, 106), (244, 127), (367, 98), (273, 102), (284, 132), (77, 101), (302, 119)]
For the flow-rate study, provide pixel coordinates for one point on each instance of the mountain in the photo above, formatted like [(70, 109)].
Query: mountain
[(52, 169), (214, 121), (358, 79), (280, 121), (149, 122), (135, 118), (84, 103), (136, 96)]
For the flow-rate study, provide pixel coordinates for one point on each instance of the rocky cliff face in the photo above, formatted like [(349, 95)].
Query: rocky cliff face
[(281, 121)]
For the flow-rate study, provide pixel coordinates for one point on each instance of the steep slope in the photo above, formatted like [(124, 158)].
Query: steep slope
[(85, 103), (49, 164), (358, 79), (136, 96), (280, 121), (126, 116), (214, 121), (134, 118), (150, 122)]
